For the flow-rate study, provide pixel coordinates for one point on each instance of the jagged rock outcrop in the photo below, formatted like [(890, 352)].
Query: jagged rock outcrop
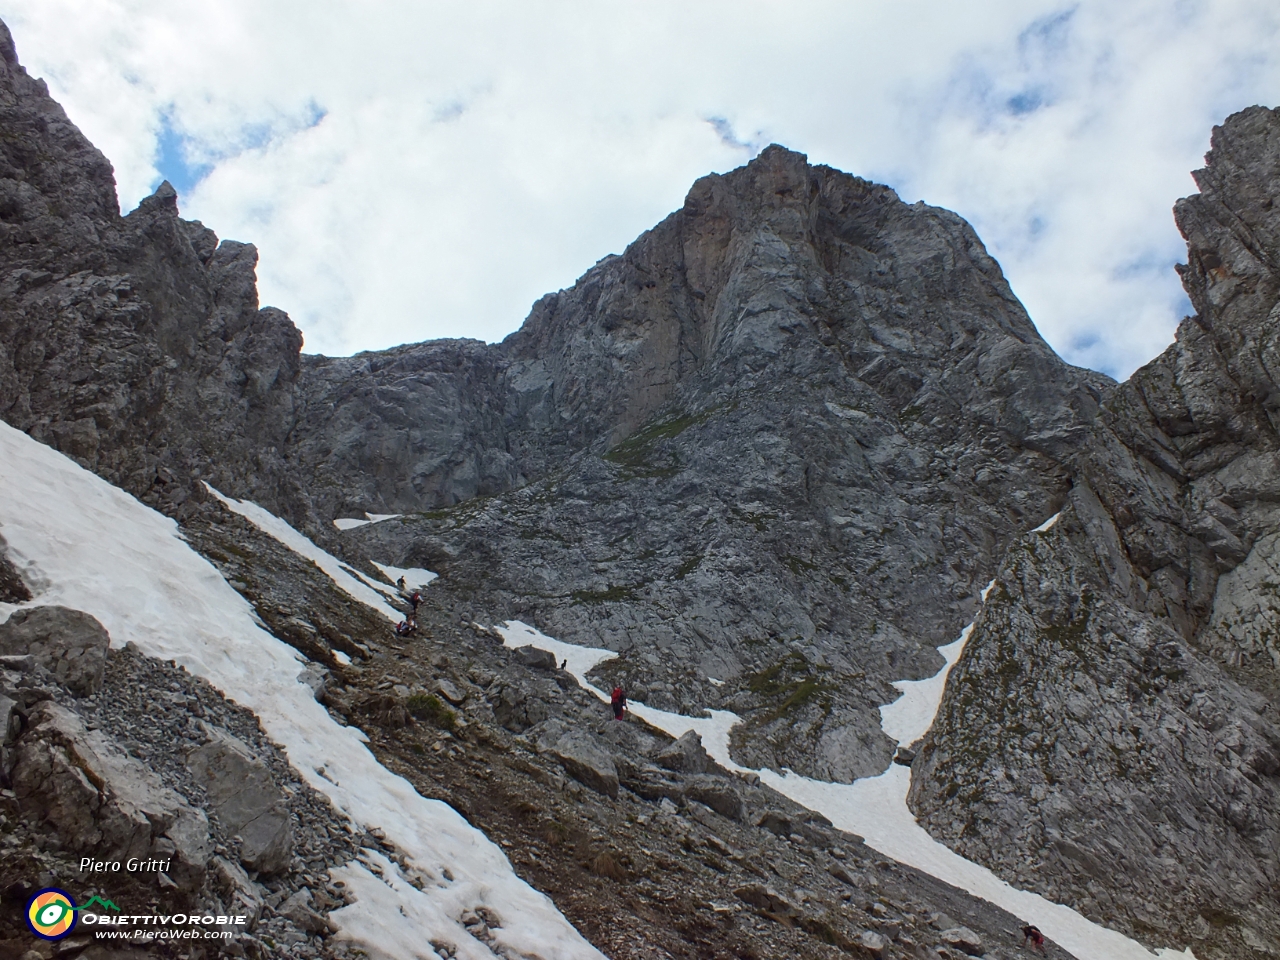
[(1110, 736), (133, 344), (782, 440), (770, 455)]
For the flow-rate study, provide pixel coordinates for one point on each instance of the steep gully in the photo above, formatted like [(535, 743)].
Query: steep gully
[(872, 807)]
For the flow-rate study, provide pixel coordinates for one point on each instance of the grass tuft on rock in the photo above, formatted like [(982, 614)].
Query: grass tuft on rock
[(429, 708)]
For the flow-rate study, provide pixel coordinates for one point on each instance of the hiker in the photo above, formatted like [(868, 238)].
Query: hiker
[(619, 701), (402, 628), (1034, 936), (414, 601), (564, 663), (400, 586)]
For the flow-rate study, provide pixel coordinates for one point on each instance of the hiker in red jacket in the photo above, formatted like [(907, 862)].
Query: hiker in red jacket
[(1036, 938), (619, 701)]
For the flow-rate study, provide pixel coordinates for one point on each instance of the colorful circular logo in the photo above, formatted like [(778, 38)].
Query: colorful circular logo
[(51, 914)]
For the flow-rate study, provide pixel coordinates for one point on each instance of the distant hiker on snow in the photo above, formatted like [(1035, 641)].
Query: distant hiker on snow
[(619, 701), (400, 585), (1034, 936)]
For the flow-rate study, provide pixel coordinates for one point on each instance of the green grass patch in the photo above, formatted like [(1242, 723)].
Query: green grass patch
[(607, 595), (687, 567), (430, 709), (636, 454), (791, 684)]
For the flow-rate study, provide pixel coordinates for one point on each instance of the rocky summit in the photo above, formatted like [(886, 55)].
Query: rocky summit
[(772, 456)]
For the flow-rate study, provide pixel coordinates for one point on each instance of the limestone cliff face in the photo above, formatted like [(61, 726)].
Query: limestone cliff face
[(1110, 736), (134, 344), (781, 442), (776, 271)]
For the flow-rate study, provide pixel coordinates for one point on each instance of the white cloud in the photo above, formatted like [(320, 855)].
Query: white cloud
[(414, 170)]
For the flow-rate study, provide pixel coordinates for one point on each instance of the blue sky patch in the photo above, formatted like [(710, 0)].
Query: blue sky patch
[(184, 162), (174, 158)]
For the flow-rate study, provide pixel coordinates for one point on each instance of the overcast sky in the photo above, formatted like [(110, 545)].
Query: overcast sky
[(412, 170)]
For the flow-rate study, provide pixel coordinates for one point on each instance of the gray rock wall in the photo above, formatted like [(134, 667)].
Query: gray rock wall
[(133, 344), (798, 423), (1110, 735)]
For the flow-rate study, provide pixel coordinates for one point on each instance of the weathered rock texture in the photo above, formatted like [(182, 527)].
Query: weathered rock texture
[(12, 587), (802, 421), (770, 455), (244, 795), (70, 644), (781, 441), (133, 344), (1110, 736), (103, 802)]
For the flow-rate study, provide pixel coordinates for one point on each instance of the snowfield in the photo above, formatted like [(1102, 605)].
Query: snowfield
[(876, 807), (85, 544)]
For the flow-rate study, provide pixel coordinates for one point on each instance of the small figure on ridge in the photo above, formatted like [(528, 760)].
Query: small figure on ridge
[(619, 701)]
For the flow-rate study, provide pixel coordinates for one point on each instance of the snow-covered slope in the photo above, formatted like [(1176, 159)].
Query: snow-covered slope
[(875, 807), (83, 543)]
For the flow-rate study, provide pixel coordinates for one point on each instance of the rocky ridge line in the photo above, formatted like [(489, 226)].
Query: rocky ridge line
[(1110, 736)]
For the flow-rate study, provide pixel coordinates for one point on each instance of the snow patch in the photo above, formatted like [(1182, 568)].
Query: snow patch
[(1048, 524), (414, 577), (347, 523), (392, 913), (94, 548), (909, 717), (579, 660), (339, 573), (876, 807)]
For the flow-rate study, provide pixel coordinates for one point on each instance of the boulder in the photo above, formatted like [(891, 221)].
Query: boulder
[(718, 794), (769, 902), (962, 938), (70, 644), (872, 943), (246, 799), (450, 692), (103, 802), (10, 720), (776, 822), (317, 678), (298, 909), (584, 759), (531, 656), (686, 755), (841, 874)]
